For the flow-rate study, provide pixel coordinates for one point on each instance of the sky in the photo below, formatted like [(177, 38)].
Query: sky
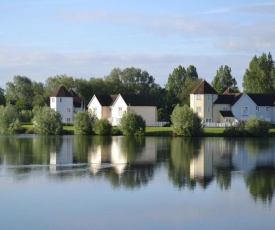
[(88, 38)]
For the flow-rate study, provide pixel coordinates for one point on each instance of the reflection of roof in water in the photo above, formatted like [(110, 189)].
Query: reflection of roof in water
[(204, 181), (120, 168)]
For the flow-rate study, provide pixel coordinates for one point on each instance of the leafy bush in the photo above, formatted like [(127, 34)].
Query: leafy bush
[(83, 123), (132, 124), (25, 116), (186, 122), (9, 122), (257, 127), (102, 127), (232, 131), (47, 121)]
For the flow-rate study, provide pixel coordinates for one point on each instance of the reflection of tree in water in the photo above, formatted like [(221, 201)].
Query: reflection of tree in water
[(133, 177), (261, 183), (255, 146), (223, 172), (183, 150)]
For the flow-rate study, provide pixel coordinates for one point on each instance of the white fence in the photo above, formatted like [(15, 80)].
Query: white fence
[(219, 124)]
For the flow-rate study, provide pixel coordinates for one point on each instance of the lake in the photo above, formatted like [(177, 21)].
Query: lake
[(80, 182)]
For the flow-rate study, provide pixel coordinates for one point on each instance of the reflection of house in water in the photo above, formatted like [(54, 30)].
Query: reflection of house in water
[(201, 167), (119, 154), (64, 156)]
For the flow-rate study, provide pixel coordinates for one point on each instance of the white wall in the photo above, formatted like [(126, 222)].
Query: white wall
[(63, 105), (94, 103), (245, 100), (115, 110)]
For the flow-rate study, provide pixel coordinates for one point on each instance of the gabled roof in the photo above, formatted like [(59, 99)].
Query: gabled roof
[(204, 88), (262, 99), (73, 93), (61, 92), (106, 99), (138, 100), (230, 99)]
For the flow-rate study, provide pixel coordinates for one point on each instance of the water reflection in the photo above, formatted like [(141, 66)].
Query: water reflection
[(132, 162)]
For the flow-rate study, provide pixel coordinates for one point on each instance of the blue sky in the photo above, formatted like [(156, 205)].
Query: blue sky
[(88, 38)]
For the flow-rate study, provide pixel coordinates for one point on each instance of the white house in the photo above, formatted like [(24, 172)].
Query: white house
[(112, 107), (67, 103), (230, 107)]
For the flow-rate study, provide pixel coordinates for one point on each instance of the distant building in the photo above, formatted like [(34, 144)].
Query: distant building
[(230, 107), (67, 103)]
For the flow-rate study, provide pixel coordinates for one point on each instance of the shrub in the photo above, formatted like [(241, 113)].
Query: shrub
[(83, 123), (9, 122), (25, 116), (186, 122), (102, 127), (132, 124), (47, 121), (257, 127)]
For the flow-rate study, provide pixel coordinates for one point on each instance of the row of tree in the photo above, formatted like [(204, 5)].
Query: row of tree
[(25, 94)]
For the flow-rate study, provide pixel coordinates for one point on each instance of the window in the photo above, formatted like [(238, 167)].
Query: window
[(198, 97), (198, 109), (94, 110), (267, 108), (208, 109), (208, 120), (244, 111), (53, 99), (227, 120), (257, 108), (68, 120), (119, 111), (60, 99), (68, 110), (224, 108), (208, 97)]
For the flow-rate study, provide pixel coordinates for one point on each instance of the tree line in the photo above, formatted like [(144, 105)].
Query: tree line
[(26, 95)]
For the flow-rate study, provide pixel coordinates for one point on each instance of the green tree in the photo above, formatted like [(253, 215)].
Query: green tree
[(257, 126), (114, 82), (260, 76), (83, 123), (47, 121), (224, 80), (20, 92), (2, 97), (186, 122), (102, 127), (9, 122), (132, 124)]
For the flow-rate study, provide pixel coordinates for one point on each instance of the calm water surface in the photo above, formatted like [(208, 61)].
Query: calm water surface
[(75, 182)]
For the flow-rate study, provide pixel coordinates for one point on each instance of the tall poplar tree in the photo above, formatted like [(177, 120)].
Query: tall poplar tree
[(260, 76)]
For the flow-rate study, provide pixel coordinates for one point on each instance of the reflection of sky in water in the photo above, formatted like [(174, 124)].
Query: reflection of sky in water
[(73, 196)]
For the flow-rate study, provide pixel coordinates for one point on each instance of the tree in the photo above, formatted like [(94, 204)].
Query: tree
[(83, 123), (186, 122), (113, 82), (260, 76), (224, 80), (47, 121), (2, 97), (257, 127), (20, 92), (9, 122), (132, 124), (102, 127)]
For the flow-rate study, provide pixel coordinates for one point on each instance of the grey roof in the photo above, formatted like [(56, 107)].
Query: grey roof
[(226, 113), (61, 92)]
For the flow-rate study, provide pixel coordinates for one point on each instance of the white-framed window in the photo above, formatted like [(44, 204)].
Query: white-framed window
[(244, 111), (68, 110), (198, 109), (224, 108), (53, 99), (208, 97), (60, 99), (119, 111), (68, 120), (208, 109), (227, 119), (95, 110), (198, 97), (257, 108), (267, 108)]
